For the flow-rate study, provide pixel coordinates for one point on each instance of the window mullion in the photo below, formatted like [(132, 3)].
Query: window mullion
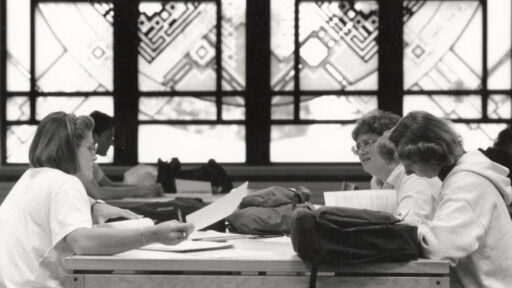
[(258, 82), (390, 41), (126, 81)]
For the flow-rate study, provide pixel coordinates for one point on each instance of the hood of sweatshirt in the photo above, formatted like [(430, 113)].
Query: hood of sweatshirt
[(478, 163)]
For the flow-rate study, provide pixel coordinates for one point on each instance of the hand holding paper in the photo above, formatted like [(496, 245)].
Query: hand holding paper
[(219, 209)]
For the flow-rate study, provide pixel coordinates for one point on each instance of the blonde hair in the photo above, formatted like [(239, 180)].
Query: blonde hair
[(56, 141)]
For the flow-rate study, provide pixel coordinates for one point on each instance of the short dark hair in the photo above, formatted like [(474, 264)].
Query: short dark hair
[(504, 138), (375, 122), (421, 136), (57, 139), (102, 122)]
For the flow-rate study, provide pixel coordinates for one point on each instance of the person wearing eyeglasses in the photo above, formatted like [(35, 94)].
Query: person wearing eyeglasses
[(416, 196), (101, 187), (47, 214)]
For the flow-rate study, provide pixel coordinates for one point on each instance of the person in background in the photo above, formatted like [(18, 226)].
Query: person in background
[(417, 196), (471, 227), (101, 187), (501, 151), (47, 214)]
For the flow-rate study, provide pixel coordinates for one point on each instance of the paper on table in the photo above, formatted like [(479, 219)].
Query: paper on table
[(192, 186), (125, 224), (380, 200), (219, 209), (187, 246)]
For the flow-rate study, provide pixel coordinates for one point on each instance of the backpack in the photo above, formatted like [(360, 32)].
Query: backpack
[(268, 211), (337, 235), (211, 172)]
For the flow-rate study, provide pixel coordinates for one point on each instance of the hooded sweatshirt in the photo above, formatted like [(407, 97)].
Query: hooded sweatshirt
[(471, 226)]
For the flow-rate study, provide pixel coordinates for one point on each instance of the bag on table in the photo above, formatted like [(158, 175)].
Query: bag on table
[(268, 211), (337, 235), (165, 211), (211, 172)]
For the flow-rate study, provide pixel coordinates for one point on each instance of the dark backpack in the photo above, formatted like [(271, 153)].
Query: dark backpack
[(211, 172), (268, 211), (337, 235)]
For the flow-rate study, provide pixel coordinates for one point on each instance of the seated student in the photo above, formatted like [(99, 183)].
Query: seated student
[(501, 152), (101, 187), (471, 227), (416, 196), (47, 214)]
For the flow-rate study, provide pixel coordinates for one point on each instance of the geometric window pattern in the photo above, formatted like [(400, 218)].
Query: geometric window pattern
[(437, 57), (338, 45), (178, 46), (73, 48), (436, 41)]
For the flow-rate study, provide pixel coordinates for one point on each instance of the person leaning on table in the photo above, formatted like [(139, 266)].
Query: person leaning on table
[(100, 186), (471, 227), (416, 195), (47, 214)]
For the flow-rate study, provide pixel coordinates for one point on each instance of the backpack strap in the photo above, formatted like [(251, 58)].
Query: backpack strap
[(315, 264)]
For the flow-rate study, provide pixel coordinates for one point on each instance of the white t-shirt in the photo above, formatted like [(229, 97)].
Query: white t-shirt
[(43, 207)]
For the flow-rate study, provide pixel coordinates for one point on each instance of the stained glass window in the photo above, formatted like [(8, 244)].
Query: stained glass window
[(499, 17), (196, 97), (337, 51), (338, 45), (177, 46), (499, 107), (446, 106), (312, 143), (437, 35), (18, 108), (77, 105), (19, 138), (209, 141), (478, 135), (18, 45), (73, 48)]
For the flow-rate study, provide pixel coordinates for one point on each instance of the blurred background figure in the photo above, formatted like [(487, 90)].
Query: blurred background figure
[(101, 187), (501, 151)]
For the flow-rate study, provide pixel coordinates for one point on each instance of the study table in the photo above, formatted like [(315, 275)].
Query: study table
[(250, 263)]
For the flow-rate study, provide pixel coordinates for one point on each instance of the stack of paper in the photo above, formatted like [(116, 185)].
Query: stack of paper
[(188, 246)]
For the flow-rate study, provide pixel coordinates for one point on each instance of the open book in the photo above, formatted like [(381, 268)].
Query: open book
[(380, 200)]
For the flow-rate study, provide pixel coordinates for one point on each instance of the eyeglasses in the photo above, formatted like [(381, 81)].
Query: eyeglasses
[(356, 149), (92, 148)]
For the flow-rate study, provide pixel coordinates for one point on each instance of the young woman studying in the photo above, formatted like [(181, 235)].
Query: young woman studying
[(47, 214), (471, 226), (416, 195)]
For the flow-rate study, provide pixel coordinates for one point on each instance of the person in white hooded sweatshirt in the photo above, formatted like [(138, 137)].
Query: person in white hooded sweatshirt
[(471, 227)]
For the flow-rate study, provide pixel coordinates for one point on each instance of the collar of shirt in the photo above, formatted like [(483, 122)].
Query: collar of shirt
[(393, 179)]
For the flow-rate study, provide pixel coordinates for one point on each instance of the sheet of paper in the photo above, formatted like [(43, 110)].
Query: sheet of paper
[(188, 246), (380, 200), (193, 186), (219, 209), (125, 224)]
